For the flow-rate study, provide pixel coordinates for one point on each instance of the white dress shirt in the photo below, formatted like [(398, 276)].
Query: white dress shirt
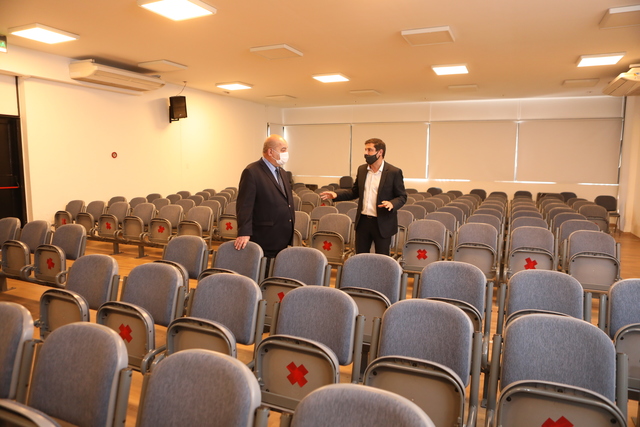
[(370, 196)]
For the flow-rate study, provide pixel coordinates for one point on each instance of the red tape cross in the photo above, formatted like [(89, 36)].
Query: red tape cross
[(229, 226), (531, 264), (160, 229), (280, 295), (422, 254), (297, 374), (108, 225), (125, 332), (562, 422), (50, 263), (327, 245)]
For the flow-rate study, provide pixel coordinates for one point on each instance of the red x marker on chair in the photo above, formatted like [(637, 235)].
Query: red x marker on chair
[(422, 254), (327, 245), (531, 264), (562, 422), (50, 263), (297, 374), (125, 332)]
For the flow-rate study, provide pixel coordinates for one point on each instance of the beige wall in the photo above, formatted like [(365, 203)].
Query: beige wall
[(629, 198)]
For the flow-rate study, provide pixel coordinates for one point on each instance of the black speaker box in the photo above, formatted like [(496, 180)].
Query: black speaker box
[(177, 108)]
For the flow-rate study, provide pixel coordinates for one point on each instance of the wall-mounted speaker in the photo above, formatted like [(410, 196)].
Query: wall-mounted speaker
[(177, 108)]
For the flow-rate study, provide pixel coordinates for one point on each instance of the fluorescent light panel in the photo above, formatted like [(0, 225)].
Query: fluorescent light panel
[(581, 82), (178, 10), (426, 36), (162, 65), (276, 51), (234, 86), (331, 78), (602, 59), (617, 17), (281, 97), (365, 92), (463, 88), (43, 33), (446, 70)]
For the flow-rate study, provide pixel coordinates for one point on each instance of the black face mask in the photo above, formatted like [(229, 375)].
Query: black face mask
[(370, 158)]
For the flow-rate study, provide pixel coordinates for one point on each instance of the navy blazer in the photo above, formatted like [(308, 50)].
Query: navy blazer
[(391, 189), (264, 211)]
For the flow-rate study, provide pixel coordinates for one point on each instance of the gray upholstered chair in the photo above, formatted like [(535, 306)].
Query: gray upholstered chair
[(136, 224), (153, 196), (153, 293), (477, 244), (225, 310), (530, 248), (405, 218), (16, 254), (527, 221), (302, 227), (115, 199), (318, 212), (110, 223), (427, 241), (294, 267), (50, 261), (597, 214), (89, 218), (184, 193), (427, 205), (9, 229), (136, 201), (249, 261), (163, 226), (16, 350), (546, 373), (198, 222), (456, 212), (418, 211), (189, 251), (333, 238), (220, 391), (92, 280), (357, 406), (186, 204), (308, 337), (80, 376), (428, 352), (343, 207), (69, 214)]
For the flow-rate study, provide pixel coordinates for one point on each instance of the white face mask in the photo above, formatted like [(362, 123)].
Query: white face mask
[(284, 158)]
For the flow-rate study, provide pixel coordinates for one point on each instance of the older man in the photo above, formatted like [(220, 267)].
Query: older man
[(264, 205)]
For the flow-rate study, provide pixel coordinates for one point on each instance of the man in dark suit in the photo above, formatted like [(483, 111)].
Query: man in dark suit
[(264, 205), (379, 187)]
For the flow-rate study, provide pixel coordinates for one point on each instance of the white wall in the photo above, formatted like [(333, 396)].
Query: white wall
[(70, 132), (629, 199)]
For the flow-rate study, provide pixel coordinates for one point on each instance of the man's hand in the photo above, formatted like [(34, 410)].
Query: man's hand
[(328, 195), (241, 242), (386, 204)]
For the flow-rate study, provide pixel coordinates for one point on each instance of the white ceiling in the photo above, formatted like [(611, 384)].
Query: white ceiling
[(513, 48)]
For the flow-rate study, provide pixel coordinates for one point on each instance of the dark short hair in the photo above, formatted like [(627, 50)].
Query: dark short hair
[(378, 144)]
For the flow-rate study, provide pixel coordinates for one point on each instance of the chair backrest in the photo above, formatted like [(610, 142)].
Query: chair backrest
[(478, 233), (418, 211), (489, 211), (487, 219), (320, 211), (197, 198), (96, 208), (152, 196), (35, 233), (155, 287), (74, 207), (624, 305), (346, 182), (203, 215), (186, 204), (357, 406), (220, 391), (160, 202), (215, 207), (454, 280), (428, 330), (479, 192), (17, 328), (245, 262), (136, 201), (230, 209), (301, 315), (566, 195), (119, 210), (455, 211), (523, 193), (145, 211), (229, 299), (545, 290), (205, 195), (116, 199), (445, 218), (338, 223), (76, 375), (174, 197), (9, 228), (373, 271), (428, 229), (301, 263), (464, 207), (405, 218), (71, 238), (189, 251), (610, 203), (591, 241), (527, 221), (434, 191), (93, 276), (184, 193), (525, 214), (172, 213), (533, 237), (548, 347), (571, 225), (302, 224), (427, 205)]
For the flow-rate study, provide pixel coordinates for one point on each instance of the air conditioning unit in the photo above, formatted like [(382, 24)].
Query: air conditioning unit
[(91, 72), (626, 84)]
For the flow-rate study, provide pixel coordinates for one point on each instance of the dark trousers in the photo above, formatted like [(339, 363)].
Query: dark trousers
[(367, 232)]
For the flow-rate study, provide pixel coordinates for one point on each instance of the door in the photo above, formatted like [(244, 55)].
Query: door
[(12, 199)]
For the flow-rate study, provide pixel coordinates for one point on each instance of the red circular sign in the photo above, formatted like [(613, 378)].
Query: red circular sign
[(114, 154)]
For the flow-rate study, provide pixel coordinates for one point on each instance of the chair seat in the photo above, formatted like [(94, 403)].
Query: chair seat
[(59, 307)]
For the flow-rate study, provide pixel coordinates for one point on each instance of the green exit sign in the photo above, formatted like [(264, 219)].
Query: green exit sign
[(3, 44)]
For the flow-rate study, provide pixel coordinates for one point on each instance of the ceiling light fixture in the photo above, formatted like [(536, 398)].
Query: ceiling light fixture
[(365, 92), (331, 78), (276, 51), (617, 17), (580, 82), (178, 10), (162, 65), (446, 70), (43, 33), (602, 59), (234, 86), (425, 36)]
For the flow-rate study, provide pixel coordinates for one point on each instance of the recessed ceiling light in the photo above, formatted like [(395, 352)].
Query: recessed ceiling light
[(425, 36), (178, 10), (281, 97), (625, 16), (445, 70), (365, 92), (463, 88), (234, 86), (162, 65), (603, 59), (43, 33), (580, 82), (331, 78), (276, 51)]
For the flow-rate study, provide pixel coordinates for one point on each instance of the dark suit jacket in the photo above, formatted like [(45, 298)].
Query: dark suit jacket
[(264, 212), (391, 188)]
